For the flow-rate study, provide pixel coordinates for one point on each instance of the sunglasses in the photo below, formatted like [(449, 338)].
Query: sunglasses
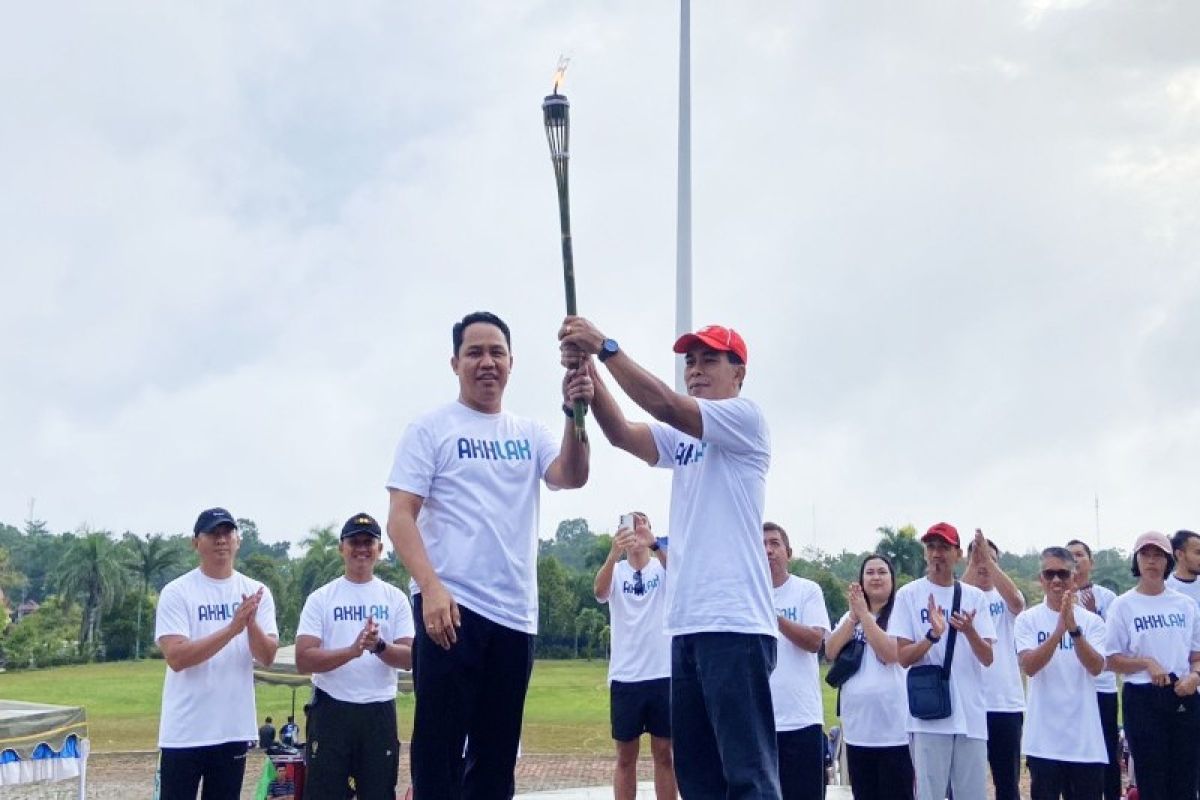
[(1050, 574)]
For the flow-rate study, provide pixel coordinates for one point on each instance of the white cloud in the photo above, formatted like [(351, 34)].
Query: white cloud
[(959, 241)]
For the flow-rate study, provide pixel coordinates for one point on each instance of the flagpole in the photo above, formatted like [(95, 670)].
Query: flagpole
[(683, 209)]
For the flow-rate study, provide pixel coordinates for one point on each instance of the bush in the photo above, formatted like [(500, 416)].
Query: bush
[(45, 638)]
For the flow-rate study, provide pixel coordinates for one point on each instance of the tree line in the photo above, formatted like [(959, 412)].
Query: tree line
[(90, 595)]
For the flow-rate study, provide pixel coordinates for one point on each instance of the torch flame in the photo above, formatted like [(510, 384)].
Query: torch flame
[(560, 72)]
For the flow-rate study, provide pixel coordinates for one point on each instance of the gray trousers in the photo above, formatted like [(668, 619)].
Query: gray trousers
[(944, 760)]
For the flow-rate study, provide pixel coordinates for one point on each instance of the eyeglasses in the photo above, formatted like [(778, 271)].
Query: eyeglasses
[(639, 588), (1050, 574)]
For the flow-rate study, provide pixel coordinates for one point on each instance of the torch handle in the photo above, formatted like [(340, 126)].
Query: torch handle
[(568, 257)]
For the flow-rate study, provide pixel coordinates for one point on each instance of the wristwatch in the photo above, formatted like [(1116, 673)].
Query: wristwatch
[(608, 349), (379, 647), (932, 639), (1076, 633)]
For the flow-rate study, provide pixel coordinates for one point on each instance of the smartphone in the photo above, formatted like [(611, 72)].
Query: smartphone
[(626, 522)]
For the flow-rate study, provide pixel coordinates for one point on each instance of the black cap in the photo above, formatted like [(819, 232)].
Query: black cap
[(212, 518), (361, 523)]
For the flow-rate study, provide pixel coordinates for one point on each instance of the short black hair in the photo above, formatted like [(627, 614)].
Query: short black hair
[(773, 526), (1081, 544), (1137, 573), (1179, 540), (991, 544), (456, 333), (1061, 553)]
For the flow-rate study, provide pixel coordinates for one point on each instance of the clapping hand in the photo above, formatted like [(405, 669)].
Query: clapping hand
[(937, 620), (246, 611), (858, 602), (963, 621), (1066, 615), (368, 637)]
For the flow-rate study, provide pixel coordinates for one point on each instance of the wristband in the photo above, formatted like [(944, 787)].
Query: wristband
[(1076, 633), (929, 637), (654, 548), (570, 412), (379, 647)]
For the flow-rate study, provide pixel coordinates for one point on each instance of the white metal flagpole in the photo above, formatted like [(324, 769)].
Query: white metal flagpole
[(683, 214)]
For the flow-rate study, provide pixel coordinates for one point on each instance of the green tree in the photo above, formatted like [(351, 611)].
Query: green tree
[(151, 559), (833, 590), (556, 609), (11, 580), (322, 562), (573, 545), (252, 544), (123, 630), (589, 623), (45, 638), (96, 573), (279, 579), (901, 546)]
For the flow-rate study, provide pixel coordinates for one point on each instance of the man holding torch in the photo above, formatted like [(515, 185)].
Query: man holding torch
[(463, 517), (720, 613)]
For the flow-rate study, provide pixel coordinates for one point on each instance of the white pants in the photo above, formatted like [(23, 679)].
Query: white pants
[(944, 760)]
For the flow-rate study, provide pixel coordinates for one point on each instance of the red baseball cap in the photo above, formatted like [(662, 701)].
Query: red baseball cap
[(944, 531), (714, 336)]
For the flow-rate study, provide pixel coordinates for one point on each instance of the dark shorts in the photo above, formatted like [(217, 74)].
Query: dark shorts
[(640, 707)]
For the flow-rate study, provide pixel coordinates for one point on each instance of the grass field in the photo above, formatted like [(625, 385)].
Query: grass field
[(566, 710)]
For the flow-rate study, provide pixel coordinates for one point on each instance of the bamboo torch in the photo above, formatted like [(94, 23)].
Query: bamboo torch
[(557, 118)]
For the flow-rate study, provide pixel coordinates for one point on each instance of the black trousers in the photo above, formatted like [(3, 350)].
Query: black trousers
[(219, 767), (1004, 752), (802, 763), (880, 773), (1110, 779), (351, 740), (1050, 779), (474, 693), (1164, 739)]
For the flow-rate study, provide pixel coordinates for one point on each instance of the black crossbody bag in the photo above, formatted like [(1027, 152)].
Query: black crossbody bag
[(929, 684)]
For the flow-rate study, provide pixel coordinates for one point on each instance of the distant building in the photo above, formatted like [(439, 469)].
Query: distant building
[(27, 608)]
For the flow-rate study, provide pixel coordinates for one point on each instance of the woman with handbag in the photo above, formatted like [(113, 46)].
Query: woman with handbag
[(872, 701), (1153, 638)]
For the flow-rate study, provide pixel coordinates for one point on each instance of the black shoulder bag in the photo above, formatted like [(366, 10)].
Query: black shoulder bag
[(848, 660), (929, 684)]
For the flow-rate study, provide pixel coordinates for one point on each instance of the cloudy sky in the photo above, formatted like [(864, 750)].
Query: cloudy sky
[(960, 238)]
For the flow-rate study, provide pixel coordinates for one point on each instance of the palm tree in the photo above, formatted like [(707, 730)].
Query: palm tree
[(901, 546), (95, 572), (152, 557), (321, 563)]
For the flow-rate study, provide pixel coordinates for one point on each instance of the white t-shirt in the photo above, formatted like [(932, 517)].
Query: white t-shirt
[(336, 613), (910, 621), (1003, 689), (1106, 681), (1190, 588), (641, 649), (1165, 627), (874, 700), (212, 702), (1062, 719), (478, 474), (720, 580), (796, 681)]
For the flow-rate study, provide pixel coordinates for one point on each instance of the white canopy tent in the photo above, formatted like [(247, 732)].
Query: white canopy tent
[(43, 743)]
